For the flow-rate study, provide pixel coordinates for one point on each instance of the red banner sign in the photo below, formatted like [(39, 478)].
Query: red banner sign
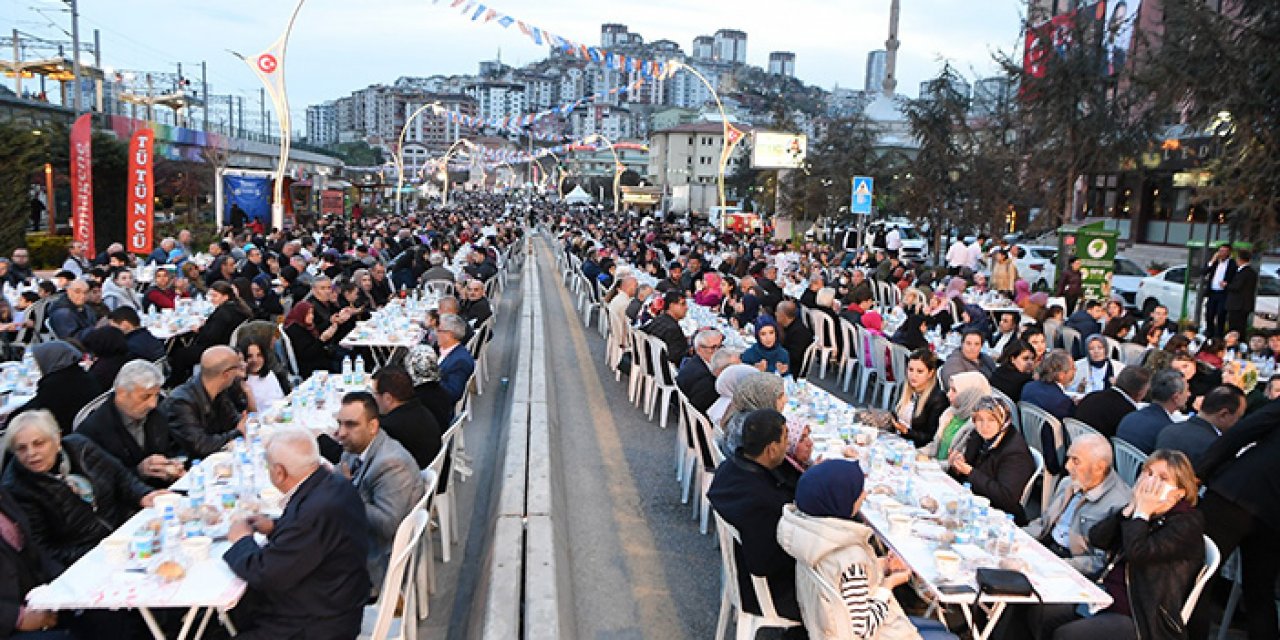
[(331, 202), (82, 182), (141, 205)]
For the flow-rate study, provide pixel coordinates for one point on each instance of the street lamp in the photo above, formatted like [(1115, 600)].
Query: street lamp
[(399, 157), (676, 65), (444, 198), (618, 167)]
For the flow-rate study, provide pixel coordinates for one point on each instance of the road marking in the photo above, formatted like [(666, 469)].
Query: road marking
[(658, 616)]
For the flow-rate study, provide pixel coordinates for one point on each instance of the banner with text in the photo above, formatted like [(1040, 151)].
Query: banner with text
[(82, 182), (141, 206)]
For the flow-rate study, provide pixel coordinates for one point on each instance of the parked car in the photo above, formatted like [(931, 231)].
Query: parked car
[(1036, 264), (915, 247), (1166, 288), (1125, 279)]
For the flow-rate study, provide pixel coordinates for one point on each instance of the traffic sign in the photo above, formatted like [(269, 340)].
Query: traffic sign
[(863, 187)]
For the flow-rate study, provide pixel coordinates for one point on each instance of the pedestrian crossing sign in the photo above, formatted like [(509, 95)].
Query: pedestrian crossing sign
[(860, 203)]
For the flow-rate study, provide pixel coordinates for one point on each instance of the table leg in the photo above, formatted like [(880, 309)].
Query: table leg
[(204, 622), (156, 631), (226, 622), (993, 617), (186, 622)]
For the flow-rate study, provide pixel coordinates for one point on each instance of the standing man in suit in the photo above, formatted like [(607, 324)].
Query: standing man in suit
[(695, 377), (1103, 410), (1241, 508), (383, 472), (310, 581), (1221, 408), (456, 363), (1169, 393), (1216, 277), (1242, 292)]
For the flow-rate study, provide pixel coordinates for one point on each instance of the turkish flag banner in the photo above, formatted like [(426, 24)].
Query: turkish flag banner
[(82, 182), (141, 190)]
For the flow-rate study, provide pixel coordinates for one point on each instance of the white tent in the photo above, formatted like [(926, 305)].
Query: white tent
[(578, 196)]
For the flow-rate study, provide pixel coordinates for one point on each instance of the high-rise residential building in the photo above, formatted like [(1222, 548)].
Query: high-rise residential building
[(730, 46), (497, 99), (685, 90), (690, 154), (615, 123), (612, 35), (322, 123), (990, 95), (960, 86), (875, 71), (782, 63), (704, 48)]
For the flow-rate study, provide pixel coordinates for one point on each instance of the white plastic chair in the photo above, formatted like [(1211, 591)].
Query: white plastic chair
[(424, 559), (1033, 421), (1070, 340), (1129, 460), (662, 386), (852, 363), (444, 505), (825, 330), (397, 586), (1132, 354), (1027, 490), (685, 450), (730, 600), (897, 363), (704, 442), (1212, 558), (638, 381), (1076, 428)]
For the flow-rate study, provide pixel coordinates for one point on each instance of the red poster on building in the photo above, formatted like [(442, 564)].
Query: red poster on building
[(331, 202), (141, 205), (82, 182)]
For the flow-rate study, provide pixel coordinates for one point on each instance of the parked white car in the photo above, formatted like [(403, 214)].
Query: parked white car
[(1036, 265), (1166, 288), (1125, 279)]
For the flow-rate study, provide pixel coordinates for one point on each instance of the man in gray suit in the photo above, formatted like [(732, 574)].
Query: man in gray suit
[(1168, 394), (383, 472), (1220, 409)]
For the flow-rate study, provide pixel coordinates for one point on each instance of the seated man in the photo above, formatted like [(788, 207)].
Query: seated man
[(202, 413), (403, 417), (1168, 394), (130, 427), (71, 317), (749, 495), (695, 378), (438, 272), (139, 340), (456, 363), (666, 327), (450, 304), (475, 306), (1090, 494), (1220, 410), (310, 580), (1103, 410), (384, 474), (796, 337)]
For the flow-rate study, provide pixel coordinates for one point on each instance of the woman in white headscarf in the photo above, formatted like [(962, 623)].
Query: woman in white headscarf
[(726, 383), (956, 423)]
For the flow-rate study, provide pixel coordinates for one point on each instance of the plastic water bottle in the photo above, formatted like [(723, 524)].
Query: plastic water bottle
[(28, 366), (346, 371), (359, 372), (196, 489)]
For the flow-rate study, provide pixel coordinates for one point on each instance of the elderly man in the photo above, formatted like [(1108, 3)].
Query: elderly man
[(475, 306), (456, 363), (201, 412), (311, 579), (969, 357), (637, 303), (624, 294), (1168, 395), (384, 474), (1089, 494), (1103, 410), (695, 378), (666, 327), (438, 272), (404, 417), (71, 317), (381, 290), (76, 263), (129, 426), (796, 337), (1220, 409), (161, 253)]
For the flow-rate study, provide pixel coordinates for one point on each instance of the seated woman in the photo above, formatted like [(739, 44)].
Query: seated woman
[(799, 453), (1212, 353), (756, 391), (820, 531), (996, 461), (262, 377), (266, 302), (911, 333), (709, 293), (424, 369), (1034, 335), (73, 493), (955, 423), (64, 386), (726, 384), (308, 346), (1095, 371), (1155, 550), (767, 354), (923, 402), (109, 350), (1017, 362)]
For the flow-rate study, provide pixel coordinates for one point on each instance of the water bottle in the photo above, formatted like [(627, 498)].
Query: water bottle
[(170, 530), (346, 371), (1010, 534), (359, 372), (28, 365), (196, 488)]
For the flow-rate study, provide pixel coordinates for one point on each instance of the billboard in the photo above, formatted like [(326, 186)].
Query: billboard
[(1121, 20), (248, 198), (770, 150)]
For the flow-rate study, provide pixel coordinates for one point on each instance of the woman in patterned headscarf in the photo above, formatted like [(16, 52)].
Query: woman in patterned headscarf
[(424, 369)]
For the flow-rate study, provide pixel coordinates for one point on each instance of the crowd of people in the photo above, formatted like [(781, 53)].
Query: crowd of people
[(1187, 400), (79, 463)]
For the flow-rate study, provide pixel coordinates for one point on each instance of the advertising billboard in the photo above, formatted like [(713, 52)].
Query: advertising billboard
[(771, 150)]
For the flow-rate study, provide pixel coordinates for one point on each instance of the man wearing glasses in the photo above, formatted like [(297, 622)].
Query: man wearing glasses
[(695, 378), (202, 415)]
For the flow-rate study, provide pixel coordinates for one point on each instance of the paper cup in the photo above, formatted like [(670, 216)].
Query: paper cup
[(947, 562), (116, 549), (196, 548), (900, 524), (168, 500)]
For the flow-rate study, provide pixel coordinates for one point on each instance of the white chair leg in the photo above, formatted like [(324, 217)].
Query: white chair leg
[(441, 507), (722, 621)]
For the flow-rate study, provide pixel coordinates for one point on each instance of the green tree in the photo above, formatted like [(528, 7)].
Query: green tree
[(1220, 69), (822, 186), (21, 155), (359, 154), (939, 123)]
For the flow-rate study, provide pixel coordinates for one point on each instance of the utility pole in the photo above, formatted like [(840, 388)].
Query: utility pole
[(97, 62), (75, 54), (204, 91)]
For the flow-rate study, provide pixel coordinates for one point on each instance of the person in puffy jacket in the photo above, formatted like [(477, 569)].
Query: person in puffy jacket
[(73, 493), (845, 591)]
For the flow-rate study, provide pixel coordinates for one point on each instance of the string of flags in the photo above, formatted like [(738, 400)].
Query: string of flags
[(480, 12)]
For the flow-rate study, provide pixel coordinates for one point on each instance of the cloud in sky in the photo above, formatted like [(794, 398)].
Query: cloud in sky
[(339, 46)]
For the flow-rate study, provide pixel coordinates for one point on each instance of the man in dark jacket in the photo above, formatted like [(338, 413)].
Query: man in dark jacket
[(402, 415), (767, 280), (1215, 279), (666, 327), (796, 337), (130, 427), (1220, 410), (70, 316), (1242, 293), (1103, 410), (438, 272), (695, 378), (310, 580), (1142, 427), (1087, 321), (748, 494), (475, 306), (140, 341), (202, 415)]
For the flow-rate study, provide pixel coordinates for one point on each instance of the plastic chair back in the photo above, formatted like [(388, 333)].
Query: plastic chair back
[(1129, 460)]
